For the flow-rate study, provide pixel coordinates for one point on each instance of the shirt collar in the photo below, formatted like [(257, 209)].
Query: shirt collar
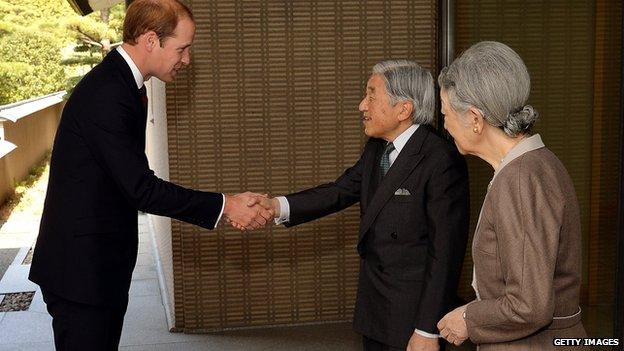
[(404, 137), (138, 77), (528, 144)]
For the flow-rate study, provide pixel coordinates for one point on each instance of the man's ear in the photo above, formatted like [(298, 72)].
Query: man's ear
[(149, 40), (406, 110)]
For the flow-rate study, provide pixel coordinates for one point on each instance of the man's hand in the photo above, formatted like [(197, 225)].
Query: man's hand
[(422, 343), (453, 326), (246, 211), (267, 202)]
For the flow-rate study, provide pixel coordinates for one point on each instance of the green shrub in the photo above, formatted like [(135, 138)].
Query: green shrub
[(30, 64), (46, 47)]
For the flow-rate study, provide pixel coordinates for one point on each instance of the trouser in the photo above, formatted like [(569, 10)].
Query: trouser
[(79, 326), (369, 344)]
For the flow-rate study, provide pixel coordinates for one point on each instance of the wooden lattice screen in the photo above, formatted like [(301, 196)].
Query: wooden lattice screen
[(269, 104)]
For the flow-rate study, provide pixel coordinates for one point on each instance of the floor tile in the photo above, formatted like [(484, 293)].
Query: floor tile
[(26, 327), (15, 279), (147, 302), (144, 272), (144, 287), (30, 227), (21, 255), (37, 304), (30, 346)]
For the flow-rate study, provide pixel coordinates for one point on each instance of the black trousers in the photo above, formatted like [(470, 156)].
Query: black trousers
[(369, 344), (374, 345), (81, 327)]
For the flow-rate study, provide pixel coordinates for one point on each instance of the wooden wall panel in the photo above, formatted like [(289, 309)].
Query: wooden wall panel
[(269, 104)]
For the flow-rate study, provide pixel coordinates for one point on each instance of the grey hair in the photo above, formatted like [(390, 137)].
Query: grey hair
[(407, 81), (493, 78)]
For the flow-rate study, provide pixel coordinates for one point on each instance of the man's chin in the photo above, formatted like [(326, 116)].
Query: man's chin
[(166, 78), (369, 133)]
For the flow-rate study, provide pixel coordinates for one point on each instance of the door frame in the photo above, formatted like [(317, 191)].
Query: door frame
[(618, 318)]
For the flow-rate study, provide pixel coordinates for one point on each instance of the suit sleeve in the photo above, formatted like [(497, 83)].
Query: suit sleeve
[(110, 132), (448, 219), (528, 221), (329, 198)]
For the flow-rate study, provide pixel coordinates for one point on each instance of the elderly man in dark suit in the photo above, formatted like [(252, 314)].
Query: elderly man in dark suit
[(412, 187), (99, 178)]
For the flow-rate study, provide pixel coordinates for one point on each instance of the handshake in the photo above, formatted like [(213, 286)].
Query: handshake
[(249, 211)]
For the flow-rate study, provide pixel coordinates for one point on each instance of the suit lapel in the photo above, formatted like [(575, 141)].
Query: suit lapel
[(402, 167), (371, 178), (128, 78)]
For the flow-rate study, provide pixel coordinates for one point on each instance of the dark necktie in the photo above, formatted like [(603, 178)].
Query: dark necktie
[(143, 94), (384, 163)]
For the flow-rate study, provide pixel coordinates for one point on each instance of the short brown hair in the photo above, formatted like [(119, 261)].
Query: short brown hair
[(160, 16)]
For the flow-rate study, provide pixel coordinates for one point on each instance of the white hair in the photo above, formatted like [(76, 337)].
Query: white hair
[(407, 81), (493, 78)]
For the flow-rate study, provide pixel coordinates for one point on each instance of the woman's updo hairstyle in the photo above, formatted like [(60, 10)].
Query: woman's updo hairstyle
[(493, 78)]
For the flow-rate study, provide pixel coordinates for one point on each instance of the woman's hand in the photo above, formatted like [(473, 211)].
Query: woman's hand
[(453, 326)]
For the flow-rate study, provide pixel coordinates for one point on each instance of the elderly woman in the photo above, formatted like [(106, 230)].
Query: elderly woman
[(527, 244)]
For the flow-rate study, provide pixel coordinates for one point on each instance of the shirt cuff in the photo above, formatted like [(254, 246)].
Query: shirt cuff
[(284, 210), (220, 213), (426, 335)]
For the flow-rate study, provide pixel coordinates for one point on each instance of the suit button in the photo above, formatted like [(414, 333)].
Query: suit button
[(393, 235), (380, 267)]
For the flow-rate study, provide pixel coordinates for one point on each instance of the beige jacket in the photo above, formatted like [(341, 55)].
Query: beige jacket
[(527, 255)]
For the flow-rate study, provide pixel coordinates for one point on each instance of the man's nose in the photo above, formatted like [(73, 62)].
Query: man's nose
[(186, 58)]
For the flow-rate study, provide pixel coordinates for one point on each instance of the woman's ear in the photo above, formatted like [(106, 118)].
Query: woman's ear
[(475, 118)]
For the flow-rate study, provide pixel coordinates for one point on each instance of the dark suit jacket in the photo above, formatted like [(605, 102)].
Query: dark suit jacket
[(99, 178), (411, 247)]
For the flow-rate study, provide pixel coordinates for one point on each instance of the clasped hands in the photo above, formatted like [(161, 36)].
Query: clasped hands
[(249, 211)]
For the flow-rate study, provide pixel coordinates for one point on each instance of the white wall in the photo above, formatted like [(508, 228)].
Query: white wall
[(158, 156)]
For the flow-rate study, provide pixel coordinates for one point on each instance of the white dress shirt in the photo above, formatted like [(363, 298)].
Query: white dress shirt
[(399, 142), (138, 78)]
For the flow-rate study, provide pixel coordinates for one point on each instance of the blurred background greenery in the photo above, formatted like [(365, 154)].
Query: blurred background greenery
[(46, 47)]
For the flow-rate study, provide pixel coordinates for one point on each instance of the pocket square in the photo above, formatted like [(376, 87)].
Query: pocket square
[(402, 191)]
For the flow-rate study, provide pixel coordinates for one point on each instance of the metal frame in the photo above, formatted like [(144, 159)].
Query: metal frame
[(447, 43), (618, 318), (446, 49)]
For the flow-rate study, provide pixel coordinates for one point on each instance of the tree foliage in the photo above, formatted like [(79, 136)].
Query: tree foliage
[(93, 38), (29, 64), (46, 47)]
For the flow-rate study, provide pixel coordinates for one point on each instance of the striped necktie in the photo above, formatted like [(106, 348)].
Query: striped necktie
[(384, 164)]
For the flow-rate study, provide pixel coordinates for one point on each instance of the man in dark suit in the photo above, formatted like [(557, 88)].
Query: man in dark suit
[(99, 178), (412, 187)]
